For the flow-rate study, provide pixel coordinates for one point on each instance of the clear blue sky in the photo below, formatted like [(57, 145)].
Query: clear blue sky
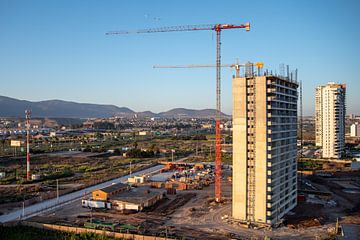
[(59, 50)]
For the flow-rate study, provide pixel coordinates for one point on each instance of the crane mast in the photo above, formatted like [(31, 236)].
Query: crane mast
[(217, 28), (218, 118)]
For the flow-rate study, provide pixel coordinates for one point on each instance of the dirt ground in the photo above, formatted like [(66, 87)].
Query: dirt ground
[(83, 174), (320, 211), (193, 214)]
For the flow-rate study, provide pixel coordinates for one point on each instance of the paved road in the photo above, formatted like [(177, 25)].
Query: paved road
[(50, 204), (37, 208)]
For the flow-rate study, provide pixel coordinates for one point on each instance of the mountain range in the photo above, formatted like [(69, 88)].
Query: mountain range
[(11, 107)]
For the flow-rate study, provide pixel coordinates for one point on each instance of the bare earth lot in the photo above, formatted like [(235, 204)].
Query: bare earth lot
[(194, 215)]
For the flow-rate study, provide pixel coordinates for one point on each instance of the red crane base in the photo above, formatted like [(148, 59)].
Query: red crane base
[(218, 162), (28, 176)]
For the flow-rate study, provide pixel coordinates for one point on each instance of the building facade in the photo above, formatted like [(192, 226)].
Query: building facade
[(355, 130), (318, 116), (105, 193), (137, 199), (264, 148), (330, 111)]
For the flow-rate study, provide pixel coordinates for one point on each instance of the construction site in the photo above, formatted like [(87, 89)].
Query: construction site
[(168, 204), (193, 199), (250, 178)]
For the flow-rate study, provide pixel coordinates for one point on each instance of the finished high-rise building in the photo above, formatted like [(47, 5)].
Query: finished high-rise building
[(330, 119), (264, 148), (355, 130)]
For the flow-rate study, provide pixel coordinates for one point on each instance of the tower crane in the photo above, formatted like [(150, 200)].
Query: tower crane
[(212, 27), (236, 66)]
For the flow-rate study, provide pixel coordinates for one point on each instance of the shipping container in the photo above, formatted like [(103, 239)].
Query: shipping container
[(95, 204)]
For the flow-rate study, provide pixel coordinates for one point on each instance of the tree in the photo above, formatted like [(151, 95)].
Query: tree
[(117, 151), (103, 125), (98, 135), (152, 148)]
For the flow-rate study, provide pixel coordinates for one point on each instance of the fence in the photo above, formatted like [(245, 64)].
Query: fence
[(31, 209), (86, 230)]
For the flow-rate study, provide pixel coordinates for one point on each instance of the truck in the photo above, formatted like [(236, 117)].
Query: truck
[(89, 203)]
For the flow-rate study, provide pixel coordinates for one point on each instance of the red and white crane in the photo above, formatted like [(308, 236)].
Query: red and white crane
[(27, 114), (212, 27)]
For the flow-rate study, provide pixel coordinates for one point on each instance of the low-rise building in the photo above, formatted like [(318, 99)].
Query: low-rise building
[(136, 199), (207, 126), (104, 194), (178, 185), (35, 176), (136, 179)]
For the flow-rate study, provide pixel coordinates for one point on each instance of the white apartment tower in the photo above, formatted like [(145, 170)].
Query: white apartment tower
[(355, 130), (264, 148), (330, 119)]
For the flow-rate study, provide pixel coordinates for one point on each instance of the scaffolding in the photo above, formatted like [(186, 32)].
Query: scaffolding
[(251, 151)]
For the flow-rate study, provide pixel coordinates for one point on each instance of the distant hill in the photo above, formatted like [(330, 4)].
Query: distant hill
[(11, 107), (148, 114), (190, 113)]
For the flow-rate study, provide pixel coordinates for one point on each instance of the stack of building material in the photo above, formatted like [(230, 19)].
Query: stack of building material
[(157, 184), (171, 191), (177, 185)]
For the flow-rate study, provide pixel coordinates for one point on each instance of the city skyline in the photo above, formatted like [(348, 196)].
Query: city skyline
[(54, 50)]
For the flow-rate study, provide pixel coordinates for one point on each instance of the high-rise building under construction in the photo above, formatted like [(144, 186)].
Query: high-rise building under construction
[(330, 119), (264, 148)]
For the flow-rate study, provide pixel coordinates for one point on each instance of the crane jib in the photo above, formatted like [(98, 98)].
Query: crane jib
[(217, 28)]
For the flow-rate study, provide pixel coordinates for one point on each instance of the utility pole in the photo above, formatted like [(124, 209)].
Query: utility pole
[(23, 209), (130, 169), (57, 190), (91, 214), (28, 113)]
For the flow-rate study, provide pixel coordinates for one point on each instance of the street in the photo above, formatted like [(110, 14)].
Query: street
[(33, 210)]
